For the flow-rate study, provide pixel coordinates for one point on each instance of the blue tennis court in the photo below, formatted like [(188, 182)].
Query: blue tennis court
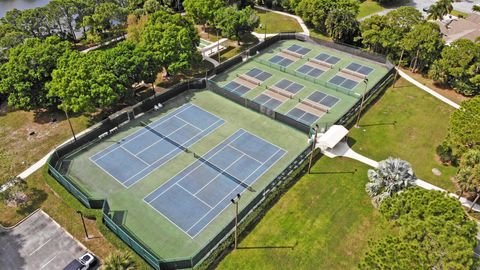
[(290, 86), (327, 58), (298, 49), (197, 195), (343, 82), (359, 68), (310, 71), (268, 101), (137, 155), (280, 60)]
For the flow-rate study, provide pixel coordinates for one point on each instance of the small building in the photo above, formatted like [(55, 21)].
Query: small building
[(332, 137)]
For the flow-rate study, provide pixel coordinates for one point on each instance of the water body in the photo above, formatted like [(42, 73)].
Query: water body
[(6, 5)]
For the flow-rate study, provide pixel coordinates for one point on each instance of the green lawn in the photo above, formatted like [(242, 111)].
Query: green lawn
[(406, 123), (323, 222), (460, 14), (369, 7), (276, 23)]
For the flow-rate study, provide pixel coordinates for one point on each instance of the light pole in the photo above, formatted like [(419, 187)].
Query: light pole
[(266, 15), (313, 148), (235, 201), (361, 103), (70, 124), (218, 47), (83, 222)]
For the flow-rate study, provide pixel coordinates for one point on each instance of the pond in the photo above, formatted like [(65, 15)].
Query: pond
[(6, 5)]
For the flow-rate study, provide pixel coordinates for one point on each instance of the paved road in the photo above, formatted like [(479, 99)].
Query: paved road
[(464, 6), (37, 243)]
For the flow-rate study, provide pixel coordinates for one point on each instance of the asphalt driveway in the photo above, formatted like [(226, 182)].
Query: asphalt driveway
[(37, 243)]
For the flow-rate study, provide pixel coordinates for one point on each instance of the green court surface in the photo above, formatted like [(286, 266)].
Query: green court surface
[(346, 97), (159, 234)]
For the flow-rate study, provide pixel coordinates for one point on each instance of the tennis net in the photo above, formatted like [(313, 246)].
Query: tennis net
[(314, 105), (231, 177), (185, 149)]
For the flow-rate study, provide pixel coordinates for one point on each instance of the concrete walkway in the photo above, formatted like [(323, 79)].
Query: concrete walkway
[(426, 89), (299, 20), (343, 150)]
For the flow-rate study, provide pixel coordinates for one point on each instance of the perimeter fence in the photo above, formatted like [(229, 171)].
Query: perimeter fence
[(215, 248)]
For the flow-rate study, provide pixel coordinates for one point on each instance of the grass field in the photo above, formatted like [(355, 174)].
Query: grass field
[(406, 123), (369, 7), (142, 219), (18, 149), (335, 112), (276, 23), (323, 222)]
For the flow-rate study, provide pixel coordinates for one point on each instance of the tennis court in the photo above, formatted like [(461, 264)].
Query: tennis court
[(310, 71), (281, 60), (195, 196), (137, 155), (269, 100), (346, 83), (327, 58), (299, 49), (355, 67)]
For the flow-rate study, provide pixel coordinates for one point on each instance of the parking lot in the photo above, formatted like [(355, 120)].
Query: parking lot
[(38, 243)]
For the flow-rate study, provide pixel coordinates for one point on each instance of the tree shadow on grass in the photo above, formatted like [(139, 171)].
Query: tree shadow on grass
[(335, 172), (269, 247), (393, 123)]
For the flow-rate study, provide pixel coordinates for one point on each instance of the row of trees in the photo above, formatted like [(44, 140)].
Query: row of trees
[(406, 37), (44, 73), (233, 21), (63, 18), (431, 230), (336, 18)]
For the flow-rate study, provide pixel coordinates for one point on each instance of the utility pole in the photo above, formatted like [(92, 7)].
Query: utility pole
[(361, 103), (235, 202)]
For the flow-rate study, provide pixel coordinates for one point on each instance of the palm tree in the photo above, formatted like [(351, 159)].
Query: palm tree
[(446, 6), (435, 12), (119, 261), (438, 10), (468, 176), (392, 176)]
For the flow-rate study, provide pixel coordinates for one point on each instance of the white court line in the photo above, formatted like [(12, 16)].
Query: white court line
[(193, 195), (219, 173), (247, 154), (40, 247), (140, 132), (176, 149), (105, 171), (242, 132), (162, 139), (266, 169), (184, 170), (188, 123), (128, 151), (49, 261)]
